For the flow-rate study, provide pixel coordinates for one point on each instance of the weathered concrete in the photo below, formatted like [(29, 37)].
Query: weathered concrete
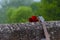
[(28, 31)]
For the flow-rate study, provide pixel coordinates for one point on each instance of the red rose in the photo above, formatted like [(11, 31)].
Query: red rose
[(30, 20), (33, 19)]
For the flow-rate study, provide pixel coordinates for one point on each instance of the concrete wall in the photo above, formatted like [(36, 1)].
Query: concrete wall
[(27, 31)]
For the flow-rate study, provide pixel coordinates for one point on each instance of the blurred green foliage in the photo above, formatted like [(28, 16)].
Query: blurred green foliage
[(20, 10), (20, 14), (50, 9), (36, 8)]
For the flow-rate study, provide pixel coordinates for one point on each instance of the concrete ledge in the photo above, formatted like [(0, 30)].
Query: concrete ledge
[(25, 31)]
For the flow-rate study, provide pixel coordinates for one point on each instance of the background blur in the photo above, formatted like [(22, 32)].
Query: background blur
[(17, 11)]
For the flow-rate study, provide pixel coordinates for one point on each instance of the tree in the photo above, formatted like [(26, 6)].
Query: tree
[(17, 3), (20, 14), (36, 8), (50, 9)]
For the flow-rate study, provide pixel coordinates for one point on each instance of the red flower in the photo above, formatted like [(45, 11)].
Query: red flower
[(30, 20), (33, 19)]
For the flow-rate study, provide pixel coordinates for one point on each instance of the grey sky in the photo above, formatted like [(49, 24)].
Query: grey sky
[(0, 0), (37, 0)]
